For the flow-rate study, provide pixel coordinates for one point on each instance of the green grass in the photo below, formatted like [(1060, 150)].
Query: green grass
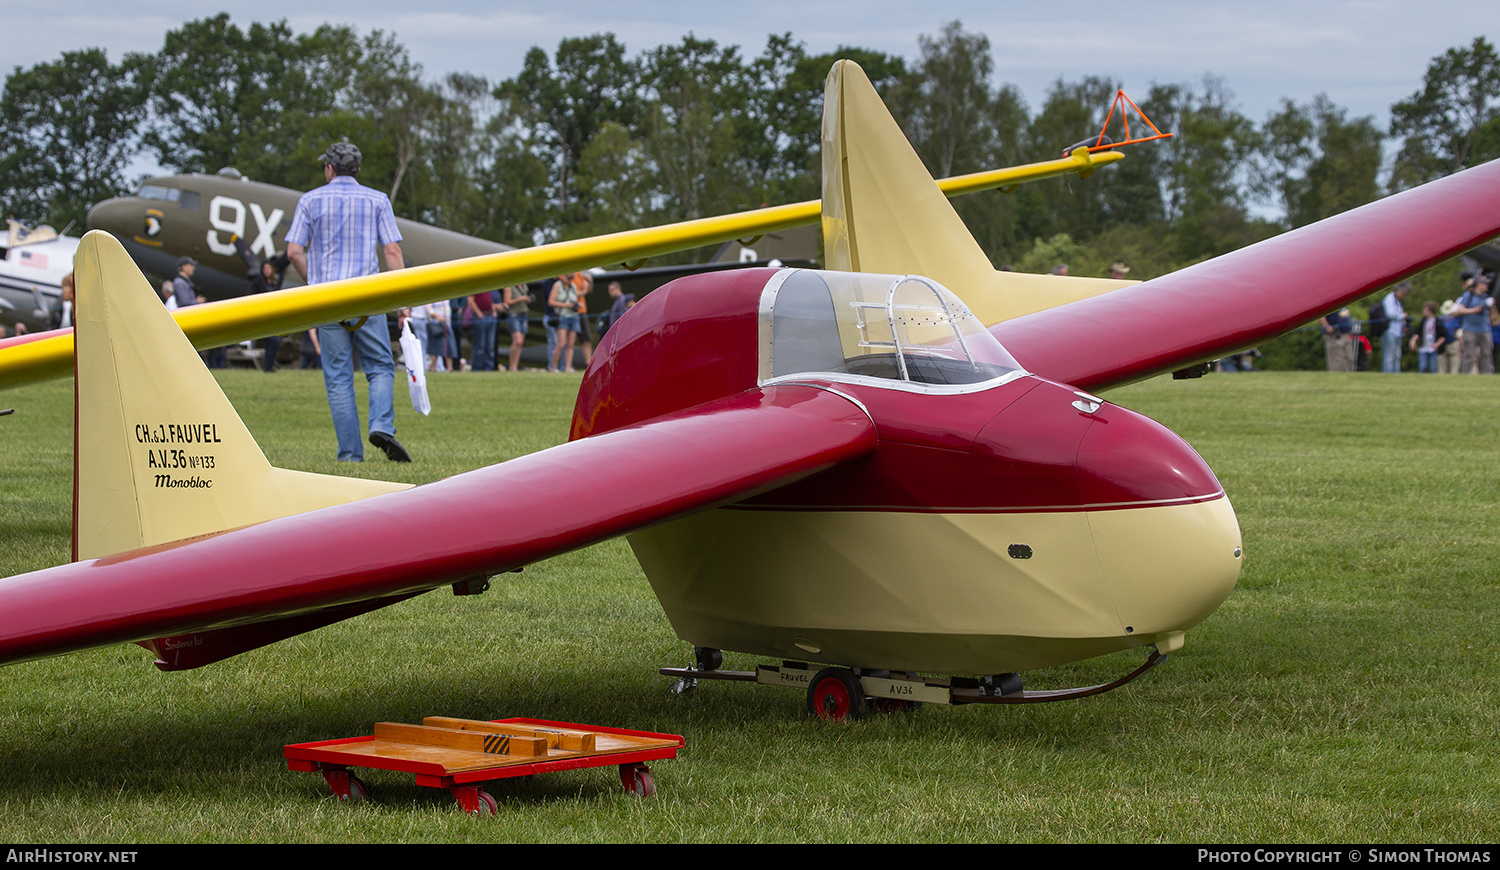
[(1345, 692)]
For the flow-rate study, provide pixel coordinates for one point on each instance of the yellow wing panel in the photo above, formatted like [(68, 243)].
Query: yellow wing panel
[(233, 320)]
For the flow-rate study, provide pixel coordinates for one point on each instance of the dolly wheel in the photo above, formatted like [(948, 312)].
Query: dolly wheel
[(347, 788), (835, 695), (358, 791), (637, 780), (474, 800)]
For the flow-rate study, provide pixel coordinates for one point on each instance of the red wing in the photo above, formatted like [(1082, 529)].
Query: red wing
[(481, 523), (1238, 300)]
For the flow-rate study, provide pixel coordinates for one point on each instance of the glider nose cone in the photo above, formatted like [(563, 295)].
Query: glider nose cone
[(1168, 542)]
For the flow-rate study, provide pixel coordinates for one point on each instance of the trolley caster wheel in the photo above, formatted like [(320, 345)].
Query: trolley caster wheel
[(487, 805), (637, 780), (835, 694), (347, 788), (474, 800), (682, 686), (893, 706)]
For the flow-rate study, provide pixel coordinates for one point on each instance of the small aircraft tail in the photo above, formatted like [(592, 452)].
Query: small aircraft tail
[(882, 212), (160, 454)]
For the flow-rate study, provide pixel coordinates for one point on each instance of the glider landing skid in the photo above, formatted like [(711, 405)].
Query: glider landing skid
[(832, 692)]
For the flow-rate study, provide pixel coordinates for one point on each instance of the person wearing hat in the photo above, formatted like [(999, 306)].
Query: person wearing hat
[(342, 230), (182, 286), (1474, 326), (1118, 271)]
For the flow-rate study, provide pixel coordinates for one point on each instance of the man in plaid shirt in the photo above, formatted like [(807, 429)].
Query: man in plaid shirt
[(336, 232)]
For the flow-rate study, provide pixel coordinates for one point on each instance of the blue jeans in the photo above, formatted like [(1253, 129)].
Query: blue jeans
[(1427, 361), (1390, 350), (374, 342), (484, 344)]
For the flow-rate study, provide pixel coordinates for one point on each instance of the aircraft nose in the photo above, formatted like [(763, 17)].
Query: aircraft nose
[(1168, 541), (112, 215)]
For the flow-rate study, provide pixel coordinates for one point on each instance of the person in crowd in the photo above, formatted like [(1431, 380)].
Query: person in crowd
[(1338, 341), (585, 334), (1449, 356), (1432, 335), (518, 300), (265, 276), (336, 232), (621, 302), (1473, 309), (481, 308), (1395, 319), (62, 315), (183, 289), (564, 300), (442, 348)]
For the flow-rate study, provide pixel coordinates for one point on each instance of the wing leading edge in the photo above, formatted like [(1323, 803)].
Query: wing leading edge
[(402, 543), (1240, 299), (49, 355)]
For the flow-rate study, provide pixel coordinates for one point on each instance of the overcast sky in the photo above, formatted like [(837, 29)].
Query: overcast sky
[(1365, 54)]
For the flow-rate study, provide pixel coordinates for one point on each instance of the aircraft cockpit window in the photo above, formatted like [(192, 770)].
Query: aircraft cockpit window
[(891, 327), (189, 200), (157, 191)]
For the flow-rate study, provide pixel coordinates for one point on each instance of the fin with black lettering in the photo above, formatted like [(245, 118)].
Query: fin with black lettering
[(882, 212), (160, 454)]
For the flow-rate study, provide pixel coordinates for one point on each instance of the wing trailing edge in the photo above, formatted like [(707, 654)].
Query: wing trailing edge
[(1243, 298)]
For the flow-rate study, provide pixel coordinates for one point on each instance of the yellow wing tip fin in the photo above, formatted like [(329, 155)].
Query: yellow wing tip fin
[(160, 453), (882, 212)]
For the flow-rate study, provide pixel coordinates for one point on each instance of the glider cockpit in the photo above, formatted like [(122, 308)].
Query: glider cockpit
[(901, 331)]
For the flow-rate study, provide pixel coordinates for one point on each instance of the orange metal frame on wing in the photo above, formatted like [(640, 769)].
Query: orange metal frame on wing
[(1100, 145)]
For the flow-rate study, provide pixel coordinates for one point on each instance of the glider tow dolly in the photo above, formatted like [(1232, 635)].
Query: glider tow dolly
[(462, 754), (840, 694)]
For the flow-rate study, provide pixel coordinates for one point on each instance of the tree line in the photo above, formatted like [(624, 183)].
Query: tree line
[(589, 138)]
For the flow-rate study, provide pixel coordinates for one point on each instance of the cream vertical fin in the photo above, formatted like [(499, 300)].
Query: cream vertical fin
[(160, 452)]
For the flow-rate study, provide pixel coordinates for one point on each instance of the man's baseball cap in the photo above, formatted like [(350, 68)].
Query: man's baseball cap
[(186, 261), (342, 155)]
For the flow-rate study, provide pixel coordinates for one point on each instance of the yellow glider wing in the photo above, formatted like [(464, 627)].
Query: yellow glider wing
[(233, 320)]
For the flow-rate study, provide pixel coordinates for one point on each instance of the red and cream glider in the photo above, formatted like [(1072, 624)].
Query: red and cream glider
[(897, 466)]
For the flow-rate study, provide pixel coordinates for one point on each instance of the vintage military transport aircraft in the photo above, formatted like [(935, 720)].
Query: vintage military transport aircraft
[(897, 467)]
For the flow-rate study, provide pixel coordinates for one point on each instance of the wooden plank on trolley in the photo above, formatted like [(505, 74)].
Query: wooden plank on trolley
[(468, 741), (565, 739)]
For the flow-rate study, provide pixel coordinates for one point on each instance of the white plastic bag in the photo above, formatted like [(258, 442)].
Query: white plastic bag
[(416, 375)]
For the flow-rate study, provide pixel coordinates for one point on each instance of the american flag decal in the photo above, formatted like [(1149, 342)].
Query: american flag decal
[(33, 259)]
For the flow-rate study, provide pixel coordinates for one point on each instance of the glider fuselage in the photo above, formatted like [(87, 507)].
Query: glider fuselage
[(998, 526)]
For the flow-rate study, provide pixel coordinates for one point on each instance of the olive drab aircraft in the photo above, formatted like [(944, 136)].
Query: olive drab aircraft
[(895, 477), (198, 216)]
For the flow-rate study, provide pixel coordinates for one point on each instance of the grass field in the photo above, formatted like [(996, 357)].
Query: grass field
[(1346, 691)]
